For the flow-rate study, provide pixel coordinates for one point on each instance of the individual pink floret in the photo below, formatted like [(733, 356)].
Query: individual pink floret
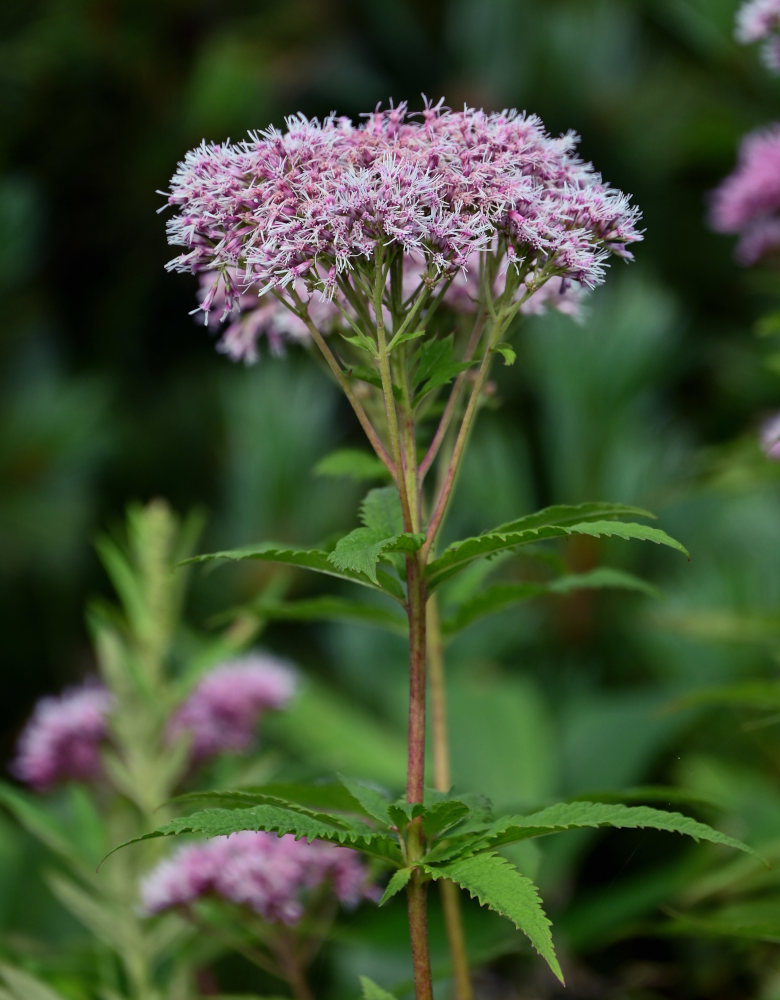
[(770, 437), (315, 203), (63, 738), (223, 711), (272, 876)]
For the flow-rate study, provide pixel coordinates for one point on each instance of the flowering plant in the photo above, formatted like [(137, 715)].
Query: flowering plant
[(402, 250)]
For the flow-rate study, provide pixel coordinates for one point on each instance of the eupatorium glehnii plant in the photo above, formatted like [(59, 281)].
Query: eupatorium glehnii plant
[(402, 250)]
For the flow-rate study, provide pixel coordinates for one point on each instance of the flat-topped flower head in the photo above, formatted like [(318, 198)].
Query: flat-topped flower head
[(273, 876), (224, 710), (759, 20), (312, 208), (748, 200), (62, 739)]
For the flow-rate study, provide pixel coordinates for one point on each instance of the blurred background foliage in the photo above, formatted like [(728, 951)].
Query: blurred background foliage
[(111, 393)]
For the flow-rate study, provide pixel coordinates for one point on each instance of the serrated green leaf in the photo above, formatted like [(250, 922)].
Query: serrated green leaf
[(442, 816), (399, 880), (281, 820), (328, 608), (500, 596), (373, 992), (460, 554), (578, 815), (351, 463), (316, 797), (380, 509), (371, 802), (437, 366), (364, 374), (314, 559), (497, 884), (564, 513), (360, 551)]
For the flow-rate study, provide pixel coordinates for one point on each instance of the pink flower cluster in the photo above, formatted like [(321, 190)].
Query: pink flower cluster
[(770, 437), (748, 200), (273, 876), (759, 20), (222, 713), (63, 738), (315, 203)]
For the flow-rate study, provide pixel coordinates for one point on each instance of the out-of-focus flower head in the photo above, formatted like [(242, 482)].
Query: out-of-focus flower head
[(748, 200), (770, 437), (759, 20), (271, 875), (223, 711), (63, 737), (314, 204)]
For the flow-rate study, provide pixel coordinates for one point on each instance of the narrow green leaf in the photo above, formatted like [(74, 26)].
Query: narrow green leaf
[(499, 885), (23, 986), (503, 595), (755, 920), (373, 992), (361, 342), (402, 338), (364, 374), (329, 608), (563, 513), (577, 815), (313, 798), (398, 881), (107, 922), (313, 559), (437, 366), (281, 820), (351, 463), (460, 554)]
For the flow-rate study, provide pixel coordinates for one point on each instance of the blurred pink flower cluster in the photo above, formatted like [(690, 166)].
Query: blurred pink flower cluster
[(294, 212), (271, 875), (223, 711), (748, 200), (759, 20), (64, 736)]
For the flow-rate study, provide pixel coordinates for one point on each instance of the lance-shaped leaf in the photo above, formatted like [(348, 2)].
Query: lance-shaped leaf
[(564, 513), (399, 881), (330, 608), (499, 885), (281, 820), (315, 799), (23, 986), (503, 595), (754, 920), (460, 554), (317, 560), (579, 815)]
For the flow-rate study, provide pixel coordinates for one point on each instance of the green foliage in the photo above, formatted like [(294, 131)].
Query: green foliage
[(351, 463), (331, 608), (290, 818), (437, 365), (360, 551), (501, 887), (460, 554), (398, 881), (23, 986), (373, 992), (500, 596), (576, 815), (317, 560)]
